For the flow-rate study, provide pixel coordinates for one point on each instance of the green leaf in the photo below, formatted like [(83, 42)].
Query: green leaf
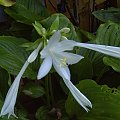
[(89, 35), (112, 14), (35, 6), (63, 22), (105, 100), (39, 28), (34, 90), (20, 30), (42, 113), (113, 62), (82, 70), (22, 14), (55, 24), (13, 56), (7, 3), (107, 34)]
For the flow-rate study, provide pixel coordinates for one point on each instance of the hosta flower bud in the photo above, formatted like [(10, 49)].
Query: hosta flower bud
[(65, 30)]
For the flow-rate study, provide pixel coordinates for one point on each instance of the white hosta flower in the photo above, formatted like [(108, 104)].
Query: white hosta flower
[(10, 100), (108, 50), (54, 54)]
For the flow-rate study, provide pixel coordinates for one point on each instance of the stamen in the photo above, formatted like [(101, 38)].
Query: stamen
[(63, 62)]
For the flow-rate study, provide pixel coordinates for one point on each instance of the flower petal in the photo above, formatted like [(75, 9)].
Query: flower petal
[(34, 54), (54, 39), (64, 45), (70, 57), (10, 100), (80, 98), (45, 67), (62, 71), (108, 50), (51, 43)]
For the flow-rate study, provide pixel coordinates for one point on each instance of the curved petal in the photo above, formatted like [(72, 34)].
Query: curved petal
[(54, 39), (80, 98), (10, 100), (45, 67), (64, 45), (70, 57), (108, 50), (62, 71), (51, 43), (34, 54)]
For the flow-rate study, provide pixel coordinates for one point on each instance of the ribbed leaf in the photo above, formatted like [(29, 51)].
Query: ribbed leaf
[(22, 14), (35, 6), (112, 14), (105, 100), (107, 34), (64, 22), (13, 56)]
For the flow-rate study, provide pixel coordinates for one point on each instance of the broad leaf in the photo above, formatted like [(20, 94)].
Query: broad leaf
[(112, 14), (7, 3), (35, 6), (107, 34), (22, 14), (82, 70), (33, 90), (64, 22), (105, 100), (13, 56)]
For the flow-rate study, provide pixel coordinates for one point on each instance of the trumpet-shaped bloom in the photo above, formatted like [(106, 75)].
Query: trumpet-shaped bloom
[(10, 100), (54, 54), (108, 50)]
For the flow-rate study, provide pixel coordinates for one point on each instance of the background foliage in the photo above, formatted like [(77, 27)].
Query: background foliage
[(97, 75)]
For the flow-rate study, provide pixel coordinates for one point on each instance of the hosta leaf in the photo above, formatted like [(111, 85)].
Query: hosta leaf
[(64, 22), (105, 100), (82, 70), (35, 6), (34, 90), (112, 14), (22, 14), (107, 34), (42, 113), (13, 56), (113, 62), (7, 3)]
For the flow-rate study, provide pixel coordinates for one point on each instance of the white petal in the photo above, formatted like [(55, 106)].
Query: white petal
[(108, 50), (70, 57), (62, 71), (10, 100), (45, 67), (51, 43), (64, 45), (80, 98), (54, 39), (34, 54)]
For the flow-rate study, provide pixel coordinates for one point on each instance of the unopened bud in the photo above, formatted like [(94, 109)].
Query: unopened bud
[(44, 31), (64, 38), (65, 30), (53, 31)]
